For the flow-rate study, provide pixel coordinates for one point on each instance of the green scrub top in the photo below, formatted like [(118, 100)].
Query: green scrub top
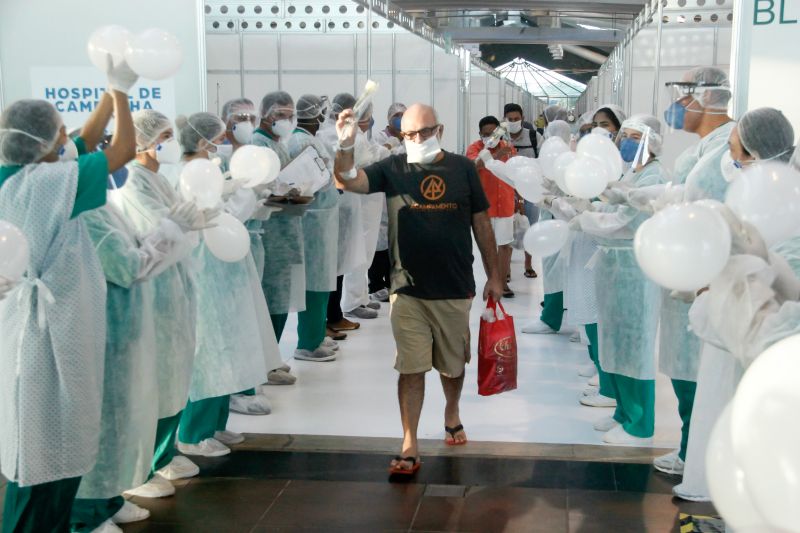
[(92, 178)]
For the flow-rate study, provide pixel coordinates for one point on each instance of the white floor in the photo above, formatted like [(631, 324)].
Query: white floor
[(356, 394)]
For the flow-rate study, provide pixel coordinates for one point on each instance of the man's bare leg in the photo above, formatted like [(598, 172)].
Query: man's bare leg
[(410, 393), (452, 394), (504, 258)]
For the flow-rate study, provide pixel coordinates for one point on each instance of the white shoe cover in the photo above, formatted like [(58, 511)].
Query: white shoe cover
[(228, 438), (537, 327), (618, 435), (107, 527), (157, 487), (670, 463), (255, 405), (605, 424), (130, 513), (598, 400), (204, 448), (179, 468)]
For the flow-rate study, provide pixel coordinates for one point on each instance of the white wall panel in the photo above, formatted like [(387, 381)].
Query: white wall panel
[(223, 51), (224, 87), (260, 51)]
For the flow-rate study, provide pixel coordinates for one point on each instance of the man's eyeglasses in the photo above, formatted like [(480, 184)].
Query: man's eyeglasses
[(424, 133)]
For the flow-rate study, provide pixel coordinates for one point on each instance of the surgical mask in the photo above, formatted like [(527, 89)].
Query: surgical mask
[(396, 121), (602, 131), (628, 149), (283, 128), (489, 142), (675, 115), (224, 150), (243, 132), (423, 153), (68, 151), (118, 178), (731, 169), (168, 152), (515, 127)]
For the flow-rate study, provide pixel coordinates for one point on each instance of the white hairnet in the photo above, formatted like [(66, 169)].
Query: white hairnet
[(341, 102), (554, 112), (766, 133), (394, 109), (275, 100), (198, 127), (584, 119), (650, 128), (718, 94), (558, 128), (237, 105), (28, 131), (149, 124), (310, 106), (616, 111)]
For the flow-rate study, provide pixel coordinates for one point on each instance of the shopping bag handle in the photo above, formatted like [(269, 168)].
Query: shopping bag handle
[(492, 304)]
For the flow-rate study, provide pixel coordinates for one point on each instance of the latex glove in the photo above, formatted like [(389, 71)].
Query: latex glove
[(230, 186), (242, 204), (120, 77), (579, 204), (786, 284), (346, 129), (673, 194), (392, 143), (264, 212), (209, 215), (6, 286), (551, 187), (614, 195), (562, 210), (186, 216), (642, 197), (575, 223), (684, 296), (264, 191), (161, 248), (547, 200)]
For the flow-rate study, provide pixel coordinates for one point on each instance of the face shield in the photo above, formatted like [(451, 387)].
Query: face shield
[(694, 97)]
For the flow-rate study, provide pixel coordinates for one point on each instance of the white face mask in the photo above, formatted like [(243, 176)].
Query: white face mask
[(68, 152), (168, 152), (515, 127), (243, 132), (731, 170), (423, 153), (224, 150), (283, 128), (602, 131)]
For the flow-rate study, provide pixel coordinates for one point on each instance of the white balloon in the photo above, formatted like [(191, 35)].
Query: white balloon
[(546, 237), (767, 195), (154, 54), (14, 252), (499, 169), (528, 182), (560, 169), (255, 165), (586, 177), (604, 149), (229, 240), (551, 149), (107, 40), (683, 247), (727, 481), (766, 436), (202, 182), (521, 161)]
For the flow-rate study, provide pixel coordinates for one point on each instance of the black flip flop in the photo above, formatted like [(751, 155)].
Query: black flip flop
[(531, 273), (397, 471), (452, 432)]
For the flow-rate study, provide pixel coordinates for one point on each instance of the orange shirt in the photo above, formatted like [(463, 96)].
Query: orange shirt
[(501, 195)]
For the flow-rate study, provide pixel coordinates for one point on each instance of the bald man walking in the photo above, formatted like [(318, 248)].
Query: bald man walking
[(436, 203)]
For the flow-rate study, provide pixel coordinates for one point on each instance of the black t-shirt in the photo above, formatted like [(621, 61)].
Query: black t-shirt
[(430, 223)]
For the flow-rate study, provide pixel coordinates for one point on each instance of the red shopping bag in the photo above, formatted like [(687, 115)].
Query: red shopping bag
[(497, 351)]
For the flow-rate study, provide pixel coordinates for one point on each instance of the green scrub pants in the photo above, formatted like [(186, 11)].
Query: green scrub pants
[(38, 508), (202, 418), (87, 515), (685, 391), (636, 404), (311, 322), (553, 310), (606, 387), (164, 452)]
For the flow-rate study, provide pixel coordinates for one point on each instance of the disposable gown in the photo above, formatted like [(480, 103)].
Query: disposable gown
[(553, 267), (706, 179), (130, 399), (284, 279), (352, 251), (320, 221), (145, 199), (52, 345), (627, 299)]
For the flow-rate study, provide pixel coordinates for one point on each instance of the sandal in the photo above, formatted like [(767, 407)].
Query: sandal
[(452, 432), (335, 335), (531, 273), (508, 293), (400, 471)]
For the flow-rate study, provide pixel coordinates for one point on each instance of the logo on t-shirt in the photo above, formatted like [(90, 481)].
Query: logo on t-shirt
[(433, 188)]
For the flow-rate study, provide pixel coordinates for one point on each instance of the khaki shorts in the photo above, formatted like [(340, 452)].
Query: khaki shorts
[(431, 334)]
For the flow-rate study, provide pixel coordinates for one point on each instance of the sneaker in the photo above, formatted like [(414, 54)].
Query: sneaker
[(328, 342), (380, 296), (130, 513), (279, 377), (179, 468), (204, 448), (587, 371), (157, 487), (618, 435), (605, 424), (575, 337), (344, 325), (107, 527), (256, 405), (598, 400), (537, 327), (228, 438), (590, 391), (319, 355), (375, 306), (363, 313), (670, 463), (594, 381), (679, 491)]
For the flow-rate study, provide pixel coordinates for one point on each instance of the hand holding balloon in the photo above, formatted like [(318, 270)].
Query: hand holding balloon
[(546, 238), (227, 239)]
